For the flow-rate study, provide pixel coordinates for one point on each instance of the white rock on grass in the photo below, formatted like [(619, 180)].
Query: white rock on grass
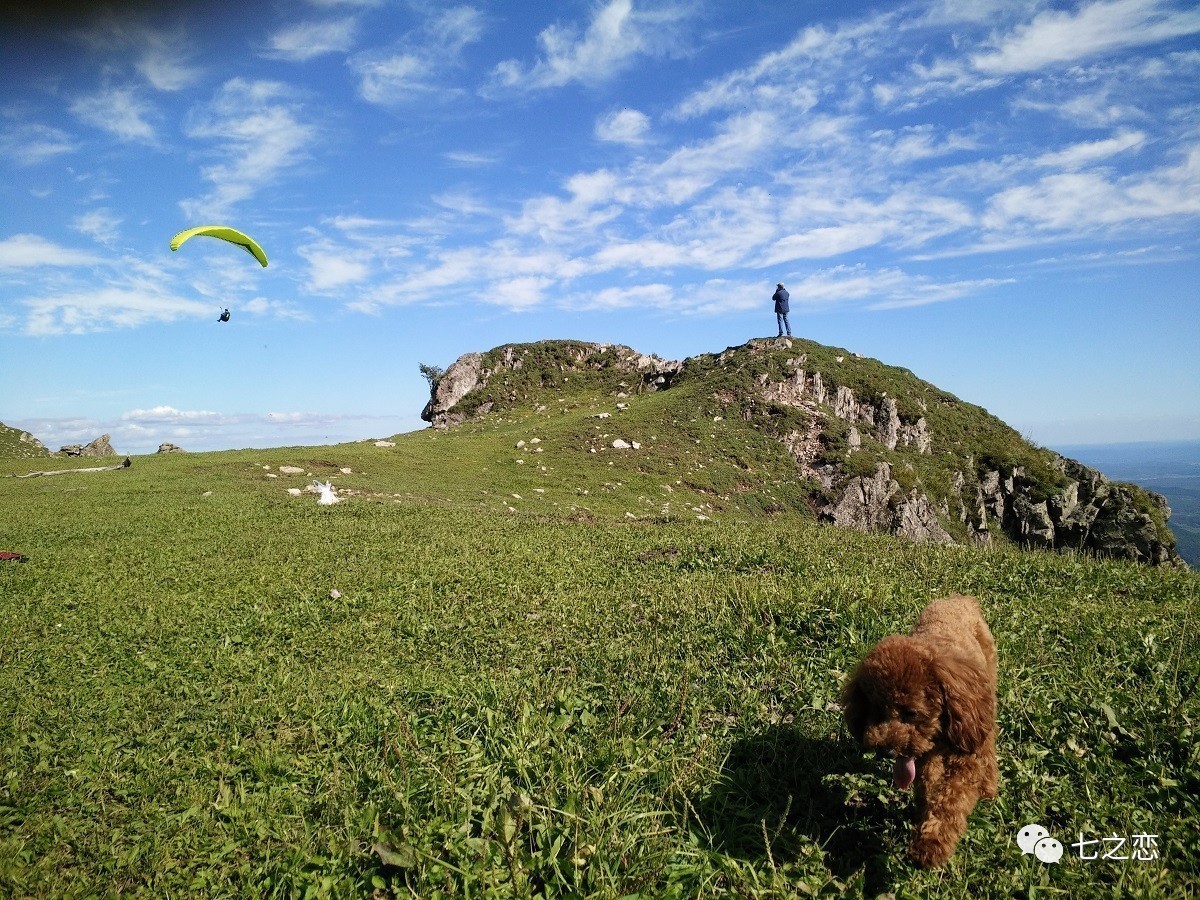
[(295, 492), (347, 470), (619, 444), (385, 443), (291, 470)]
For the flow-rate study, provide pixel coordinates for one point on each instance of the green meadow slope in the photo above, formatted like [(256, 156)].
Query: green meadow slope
[(795, 426), (17, 444), (539, 670)]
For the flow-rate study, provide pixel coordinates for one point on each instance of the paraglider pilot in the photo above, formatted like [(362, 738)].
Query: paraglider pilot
[(224, 317)]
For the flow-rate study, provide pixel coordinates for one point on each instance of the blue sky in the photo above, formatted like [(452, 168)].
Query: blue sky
[(1003, 197)]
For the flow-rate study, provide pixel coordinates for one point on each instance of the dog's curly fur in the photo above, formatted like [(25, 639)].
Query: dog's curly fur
[(929, 699)]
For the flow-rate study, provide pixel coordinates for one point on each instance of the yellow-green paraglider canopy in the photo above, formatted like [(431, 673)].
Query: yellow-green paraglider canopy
[(225, 233)]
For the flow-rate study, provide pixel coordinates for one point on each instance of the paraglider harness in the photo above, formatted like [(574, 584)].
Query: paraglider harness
[(224, 317)]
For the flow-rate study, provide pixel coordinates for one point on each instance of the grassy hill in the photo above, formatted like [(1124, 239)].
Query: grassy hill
[(17, 444), (539, 670), (798, 427)]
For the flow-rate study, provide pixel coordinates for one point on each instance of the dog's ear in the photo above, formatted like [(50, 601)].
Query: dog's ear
[(968, 702), (854, 704)]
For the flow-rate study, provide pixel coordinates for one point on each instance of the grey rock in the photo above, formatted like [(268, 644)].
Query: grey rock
[(99, 447), (456, 382)]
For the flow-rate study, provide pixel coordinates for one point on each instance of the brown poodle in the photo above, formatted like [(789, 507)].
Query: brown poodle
[(929, 700)]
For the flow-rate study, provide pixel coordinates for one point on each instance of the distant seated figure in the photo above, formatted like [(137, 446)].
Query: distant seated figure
[(224, 317)]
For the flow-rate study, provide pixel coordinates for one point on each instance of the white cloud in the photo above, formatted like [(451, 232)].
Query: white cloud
[(119, 111), (411, 69), (887, 288), (168, 415), (1056, 37), (617, 35), (520, 293), (1082, 202), (1079, 155), (162, 59), (332, 266), (791, 77), (166, 70), (308, 40), (100, 225), (258, 136), (22, 251), (625, 126), (640, 296), (470, 159), (29, 145), (159, 56), (391, 78), (91, 309)]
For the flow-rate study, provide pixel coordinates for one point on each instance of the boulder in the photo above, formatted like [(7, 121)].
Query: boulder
[(99, 447), (456, 382), (168, 447)]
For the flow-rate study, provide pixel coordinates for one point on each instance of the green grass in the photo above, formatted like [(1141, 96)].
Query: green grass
[(13, 447), (585, 689)]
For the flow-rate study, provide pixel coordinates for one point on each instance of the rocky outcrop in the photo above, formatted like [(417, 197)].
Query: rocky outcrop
[(168, 447), (877, 503), (1089, 515), (474, 372), (26, 438), (880, 420), (454, 384), (99, 447)]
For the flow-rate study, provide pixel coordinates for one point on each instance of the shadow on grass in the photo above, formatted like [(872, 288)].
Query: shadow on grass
[(801, 791)]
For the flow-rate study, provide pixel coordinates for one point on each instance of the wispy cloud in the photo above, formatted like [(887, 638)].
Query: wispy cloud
[(118, 305), (308, 40), (413, 68), (624, 126), (31, 144), (1056, 37), (1079, 203), (101, 225), (23, 251), (332, 265), (119, 111), (617, 35), (470, 159), (1082, 154), (161, 56), (257, 134)]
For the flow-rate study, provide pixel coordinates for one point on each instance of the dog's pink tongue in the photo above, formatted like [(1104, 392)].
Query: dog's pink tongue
[(904, 773)]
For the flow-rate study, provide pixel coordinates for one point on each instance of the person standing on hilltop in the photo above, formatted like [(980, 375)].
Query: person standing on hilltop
[(781, 309)]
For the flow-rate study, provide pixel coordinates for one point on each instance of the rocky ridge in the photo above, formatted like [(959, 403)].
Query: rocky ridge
[(878, 448)]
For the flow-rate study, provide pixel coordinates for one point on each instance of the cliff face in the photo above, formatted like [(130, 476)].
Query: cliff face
[(877, 448)]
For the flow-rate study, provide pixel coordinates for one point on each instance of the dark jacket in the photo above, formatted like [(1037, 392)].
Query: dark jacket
[(781, 301)]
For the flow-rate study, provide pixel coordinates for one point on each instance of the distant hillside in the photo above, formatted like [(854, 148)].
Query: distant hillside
[(790, 425), (16, 444)]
